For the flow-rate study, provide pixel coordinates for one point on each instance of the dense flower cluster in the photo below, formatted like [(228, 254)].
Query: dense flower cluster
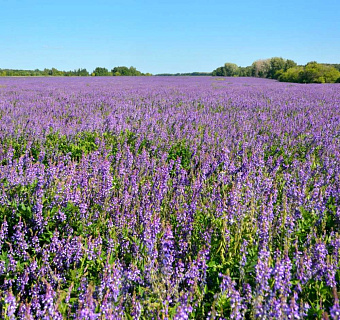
[(169, 198)]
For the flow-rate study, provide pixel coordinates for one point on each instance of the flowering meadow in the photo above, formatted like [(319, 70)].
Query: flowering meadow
[(169, 198)]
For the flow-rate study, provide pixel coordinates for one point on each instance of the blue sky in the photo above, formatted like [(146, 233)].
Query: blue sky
[(165, 36)]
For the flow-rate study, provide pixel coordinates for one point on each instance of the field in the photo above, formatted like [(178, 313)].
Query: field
[(169, 198)]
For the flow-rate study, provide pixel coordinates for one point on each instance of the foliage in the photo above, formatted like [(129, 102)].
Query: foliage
[(193, 74), (318, 73), (312, 72), (125, 71), (292, 75), (283, 70), (99, 71), (46, 72), (228, 70)]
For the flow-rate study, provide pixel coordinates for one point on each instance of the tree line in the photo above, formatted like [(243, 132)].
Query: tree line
[(274, 68), (191, 74), (283, 70), (118, 71), (99, 71)]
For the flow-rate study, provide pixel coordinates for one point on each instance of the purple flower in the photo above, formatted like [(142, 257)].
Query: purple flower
[(10, 306), (263, 271), (335, 309)]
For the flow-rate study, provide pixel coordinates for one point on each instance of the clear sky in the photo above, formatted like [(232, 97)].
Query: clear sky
[(165, 36)]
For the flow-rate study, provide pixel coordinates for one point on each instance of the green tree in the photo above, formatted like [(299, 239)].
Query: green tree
[(81, 72), (55, 72), (292, 75), (134, 72), (231, 69), (245, 71), (46, 72), (125, 71), (319, 73), (312, 72), (290, 64), (219, 72), (331, 74), (100, 72), (275, 64)]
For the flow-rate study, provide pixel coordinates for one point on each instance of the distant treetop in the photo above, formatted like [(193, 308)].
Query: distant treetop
[(274, 68), (99, 71), (283, 70)]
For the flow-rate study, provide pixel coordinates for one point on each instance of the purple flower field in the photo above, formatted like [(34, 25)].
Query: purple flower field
[(169, 198)]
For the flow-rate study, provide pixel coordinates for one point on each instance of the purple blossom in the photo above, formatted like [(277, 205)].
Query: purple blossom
[(10, 306), (128, 196)]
